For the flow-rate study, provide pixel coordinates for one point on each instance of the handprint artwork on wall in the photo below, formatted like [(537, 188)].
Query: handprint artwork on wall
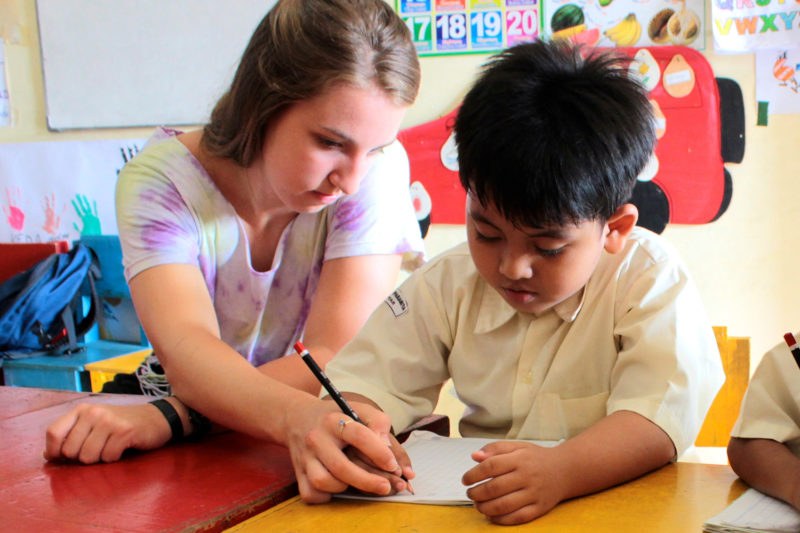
[(14, 214), (60, 190), (52, 219), (88, 215), (132, 151)]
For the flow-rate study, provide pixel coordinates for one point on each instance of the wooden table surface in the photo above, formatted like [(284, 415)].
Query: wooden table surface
[(208, 485), (678, 498), (18, 400)]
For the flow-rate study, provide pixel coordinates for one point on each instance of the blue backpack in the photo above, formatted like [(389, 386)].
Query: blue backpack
[(41, 311)]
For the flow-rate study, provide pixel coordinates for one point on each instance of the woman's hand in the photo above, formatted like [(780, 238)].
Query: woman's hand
[(92, 433), (316, 436)]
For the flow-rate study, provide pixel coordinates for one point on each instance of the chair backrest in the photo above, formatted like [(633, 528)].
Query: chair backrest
[(19, 257), (735, 353)]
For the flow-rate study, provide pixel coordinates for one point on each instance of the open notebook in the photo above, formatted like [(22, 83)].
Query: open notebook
[(755, 512), (439, 463)]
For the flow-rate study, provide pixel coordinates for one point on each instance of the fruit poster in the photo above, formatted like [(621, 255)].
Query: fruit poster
[(626, 22), (451, 27), (777, 80), (748, 25)]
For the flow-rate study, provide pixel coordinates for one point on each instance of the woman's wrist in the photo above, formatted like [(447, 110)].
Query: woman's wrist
[(171, 416), (176, 414), (200, 424)]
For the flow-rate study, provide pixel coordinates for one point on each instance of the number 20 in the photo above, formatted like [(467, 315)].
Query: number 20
[(521, 23)]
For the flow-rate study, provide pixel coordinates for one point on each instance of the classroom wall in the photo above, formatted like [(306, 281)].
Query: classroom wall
[(745, 264)]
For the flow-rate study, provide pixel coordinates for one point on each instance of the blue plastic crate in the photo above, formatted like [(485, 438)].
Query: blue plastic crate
[(117, 320), (66, 372)]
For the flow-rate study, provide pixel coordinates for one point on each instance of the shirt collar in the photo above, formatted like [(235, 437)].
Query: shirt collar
[(494, 311)]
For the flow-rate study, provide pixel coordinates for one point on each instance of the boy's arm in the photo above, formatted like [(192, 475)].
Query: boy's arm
[(768, 466), (524, 481), (617, 448), (399, 358)]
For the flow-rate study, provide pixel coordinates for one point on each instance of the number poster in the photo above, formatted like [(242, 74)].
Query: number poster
[(469, 26)]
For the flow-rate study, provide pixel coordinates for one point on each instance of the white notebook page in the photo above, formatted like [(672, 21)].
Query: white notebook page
[(754, 511), (439, 463)]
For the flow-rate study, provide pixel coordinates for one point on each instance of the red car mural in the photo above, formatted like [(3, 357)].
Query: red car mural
[(700, 122)]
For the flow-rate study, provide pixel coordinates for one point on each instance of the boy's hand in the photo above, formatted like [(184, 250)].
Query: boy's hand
[(397, 483), (315, 440), (520, 481)]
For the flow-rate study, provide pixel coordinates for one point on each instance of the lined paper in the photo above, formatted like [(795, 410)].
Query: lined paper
[(755, 512), (439, 463)]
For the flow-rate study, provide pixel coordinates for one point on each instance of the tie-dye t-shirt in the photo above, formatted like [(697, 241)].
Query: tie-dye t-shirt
[(170, 211)]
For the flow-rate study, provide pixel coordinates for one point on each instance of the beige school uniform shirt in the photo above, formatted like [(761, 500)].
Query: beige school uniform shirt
[(771, 406), (635, 338)]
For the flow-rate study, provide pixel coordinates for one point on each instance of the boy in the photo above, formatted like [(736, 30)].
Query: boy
[(557, 320), (765, 442)]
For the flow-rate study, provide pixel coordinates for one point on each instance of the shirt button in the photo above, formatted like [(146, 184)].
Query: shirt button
[(528, 378)]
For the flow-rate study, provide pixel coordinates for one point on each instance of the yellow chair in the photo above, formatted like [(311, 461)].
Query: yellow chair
[(735, 353), (103, 371)]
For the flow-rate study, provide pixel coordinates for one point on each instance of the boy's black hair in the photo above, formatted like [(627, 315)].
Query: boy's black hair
[(549, 137)]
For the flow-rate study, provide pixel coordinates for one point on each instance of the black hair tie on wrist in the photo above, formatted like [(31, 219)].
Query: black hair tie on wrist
[(172, 417), (201, 425)]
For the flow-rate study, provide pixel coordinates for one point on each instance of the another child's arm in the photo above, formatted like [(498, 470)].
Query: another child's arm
[(768, 466), (520, 481)]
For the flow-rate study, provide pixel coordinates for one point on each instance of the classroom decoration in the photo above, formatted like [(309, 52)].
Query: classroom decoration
[(60, 190), (421, 201), (699, 124), (114, 63), (5, 103), (678, 77), (454, 27), (778, 80), (747, 25), (432, 155), (448, 27), (626, 23), (11, 31)]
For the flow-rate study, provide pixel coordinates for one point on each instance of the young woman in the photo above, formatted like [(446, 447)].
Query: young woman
[(286, 217)]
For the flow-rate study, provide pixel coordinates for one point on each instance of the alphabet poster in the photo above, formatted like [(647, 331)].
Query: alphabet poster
[(746, 25), (60, 190)]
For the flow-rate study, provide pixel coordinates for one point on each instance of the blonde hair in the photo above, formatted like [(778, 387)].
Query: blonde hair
[(299, 50)]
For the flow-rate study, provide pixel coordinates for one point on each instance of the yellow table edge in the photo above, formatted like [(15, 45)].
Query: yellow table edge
[(674, 499)]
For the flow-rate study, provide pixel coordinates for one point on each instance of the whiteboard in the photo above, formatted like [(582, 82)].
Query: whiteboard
[(128, 63)]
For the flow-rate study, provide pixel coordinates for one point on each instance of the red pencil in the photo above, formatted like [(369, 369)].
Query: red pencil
[(790, 340)]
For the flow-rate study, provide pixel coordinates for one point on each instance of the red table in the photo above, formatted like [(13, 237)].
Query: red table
[(208, 485)]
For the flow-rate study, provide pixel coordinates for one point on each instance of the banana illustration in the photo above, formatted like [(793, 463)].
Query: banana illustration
[(626, 32)]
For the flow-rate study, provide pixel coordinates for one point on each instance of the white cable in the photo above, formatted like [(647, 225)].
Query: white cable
[(152, 382)]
